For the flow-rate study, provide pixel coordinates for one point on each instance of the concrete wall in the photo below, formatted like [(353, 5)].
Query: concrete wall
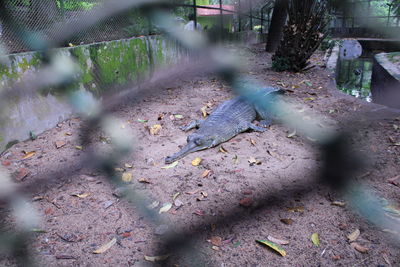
[(103, 65), (385, 81)]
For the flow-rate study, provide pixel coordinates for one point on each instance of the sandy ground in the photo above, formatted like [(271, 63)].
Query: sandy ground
[(283, 186)]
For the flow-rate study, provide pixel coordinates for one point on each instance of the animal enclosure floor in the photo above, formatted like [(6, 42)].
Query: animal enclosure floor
[(279, 196)]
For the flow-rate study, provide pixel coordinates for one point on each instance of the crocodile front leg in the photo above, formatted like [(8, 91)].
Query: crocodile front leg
[(191, 125), (256, 128)]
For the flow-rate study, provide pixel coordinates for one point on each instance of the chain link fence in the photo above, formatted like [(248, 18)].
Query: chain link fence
[(71, 22)]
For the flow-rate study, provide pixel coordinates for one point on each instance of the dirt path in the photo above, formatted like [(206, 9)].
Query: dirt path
[(76, 226)]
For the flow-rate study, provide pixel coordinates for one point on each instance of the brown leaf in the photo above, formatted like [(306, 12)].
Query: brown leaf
[(105, 247), (247, 192), (359, 248), (196, 161), (144, 180), (126, 234), (354, 235), (6, 163), (253, 142), (83, 195), (277, 241), (65, 257), (127, 177), (156, 258), (253, 161), (21, 174), (287, 221), (206, 173), (60, 144), (204, 111), (246, 202), (336, 257), (48, 211), (338, 203), (155, 129), (394, 181), (223, 150), (296, 209), (216, 241), (199, 212), (28, 154)]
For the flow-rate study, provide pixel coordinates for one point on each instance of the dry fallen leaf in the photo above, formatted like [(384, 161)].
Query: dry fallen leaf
[(253, 161), (156, 258), (83, 195), (127, 177), (204, 111), (394, 181), (277, 241), (223, 150), (165, 208), (175, 195), (235, 159), (21, 174), (178, 116), (155, 129), (246, 202), (105, 247), (119, 169), (296, 209), (199, 212), (127, 165), (354, 235), (338, 203), (29, 154), (216, 241), (60, 144), (315, 239), (144, 181), (287, 221), (204, 194), (359, 248), (196, 161), (273, 246), (79, 147), (205, 173), (293, 133), (172, 165)]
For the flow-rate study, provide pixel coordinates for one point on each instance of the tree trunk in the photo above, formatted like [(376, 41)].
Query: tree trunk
[(277, 22)]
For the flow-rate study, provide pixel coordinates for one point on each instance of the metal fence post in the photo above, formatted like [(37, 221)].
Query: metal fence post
[(251, 15), (195, 14), (240, 16), (62, 9), (388, 17), (221, 19)]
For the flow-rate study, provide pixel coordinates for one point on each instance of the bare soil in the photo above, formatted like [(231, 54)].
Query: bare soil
[(255, 198)]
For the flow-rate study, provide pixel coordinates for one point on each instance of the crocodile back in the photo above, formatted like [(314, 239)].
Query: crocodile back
[(229, 119)]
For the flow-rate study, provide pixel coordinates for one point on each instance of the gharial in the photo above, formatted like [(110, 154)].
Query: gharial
[(232, 117)]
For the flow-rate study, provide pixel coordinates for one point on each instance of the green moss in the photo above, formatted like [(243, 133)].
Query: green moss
[(82, 55)]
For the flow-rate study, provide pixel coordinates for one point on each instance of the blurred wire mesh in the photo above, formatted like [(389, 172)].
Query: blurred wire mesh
[(27, 25)]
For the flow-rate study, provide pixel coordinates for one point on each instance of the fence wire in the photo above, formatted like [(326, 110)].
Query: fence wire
[(340, 163)]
